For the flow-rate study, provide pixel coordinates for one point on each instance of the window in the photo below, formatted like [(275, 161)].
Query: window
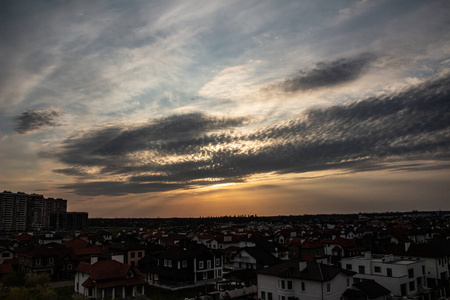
[(217, 261), (348, 267), (269, 296), (348, 282), (423, 270), (69, 267), (200, 265), (263, 295), (208, 264), (132, 254), (5, 254), (165, 263), (219, 273), (139, 254), (328, 287), (51, 260), (289, 285), (303, 286), (38, 261), (377, 269), (361, 270), (205, 275), (170, 263), (412, 285), (389, 272), (410, 273), (184, 263), (282, 284)]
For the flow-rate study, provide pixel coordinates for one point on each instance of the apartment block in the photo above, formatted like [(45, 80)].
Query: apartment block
[(20, 211)]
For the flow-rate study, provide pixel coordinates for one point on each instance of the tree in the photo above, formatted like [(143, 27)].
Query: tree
[(13, 279), (31, 280), (18, 293), (43, 280), (47, 294)]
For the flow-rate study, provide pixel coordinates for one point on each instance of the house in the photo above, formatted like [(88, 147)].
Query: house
[(185, 265), (294, 279), (403, 277), (5, 254), (54, 259), (132, 252), (254, 258), (108, 279), (436, 261), (367, 290)]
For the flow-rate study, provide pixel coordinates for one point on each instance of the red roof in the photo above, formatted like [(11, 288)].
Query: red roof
[(131, 281), (104, 269), (6, 269), (88, 251), (76, 243)]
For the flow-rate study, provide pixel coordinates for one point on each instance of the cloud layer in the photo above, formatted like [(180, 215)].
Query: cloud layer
[(185, 151)]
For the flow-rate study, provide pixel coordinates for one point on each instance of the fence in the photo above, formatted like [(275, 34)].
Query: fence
[(232, 293)]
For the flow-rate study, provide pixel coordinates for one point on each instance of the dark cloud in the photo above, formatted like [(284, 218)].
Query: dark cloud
[(72, 172), (194, 149), (327, 74), (35, 119)]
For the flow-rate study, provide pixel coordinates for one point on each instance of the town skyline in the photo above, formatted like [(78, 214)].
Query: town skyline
[(174, 109)]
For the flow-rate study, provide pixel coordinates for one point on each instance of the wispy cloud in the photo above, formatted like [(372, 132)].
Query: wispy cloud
[(34, 120), (327, 74)]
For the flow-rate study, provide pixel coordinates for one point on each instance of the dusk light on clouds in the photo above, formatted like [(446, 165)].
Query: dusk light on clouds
[(209, 108)]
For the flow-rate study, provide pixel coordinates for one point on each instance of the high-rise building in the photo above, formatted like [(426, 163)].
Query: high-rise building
[(20, 211), (13, 211), (68, 220)]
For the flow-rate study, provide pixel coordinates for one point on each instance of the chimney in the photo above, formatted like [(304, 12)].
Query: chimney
[(407, 245), (302, 265), (388, 258), (94, 259)]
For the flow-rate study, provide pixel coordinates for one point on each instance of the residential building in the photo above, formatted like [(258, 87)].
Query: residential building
[(403, 277), (436, 261), (185, 265), (108, 279), (68, 220), (13, 211), (366, 290), (20, 211), (254, 258), (294, 279)]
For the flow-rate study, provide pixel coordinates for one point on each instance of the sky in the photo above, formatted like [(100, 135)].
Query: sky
[(213, 108)]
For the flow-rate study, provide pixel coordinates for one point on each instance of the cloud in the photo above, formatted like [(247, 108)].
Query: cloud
[(327, 74), (184, 151), (35, 119)]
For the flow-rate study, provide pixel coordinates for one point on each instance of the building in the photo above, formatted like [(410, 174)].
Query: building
[(253, 258), (367, 290), (13, 211), (108, 279), (20, 211), (185, 265), (295, 279), (68, 220), (403, 277), (436, 261)]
